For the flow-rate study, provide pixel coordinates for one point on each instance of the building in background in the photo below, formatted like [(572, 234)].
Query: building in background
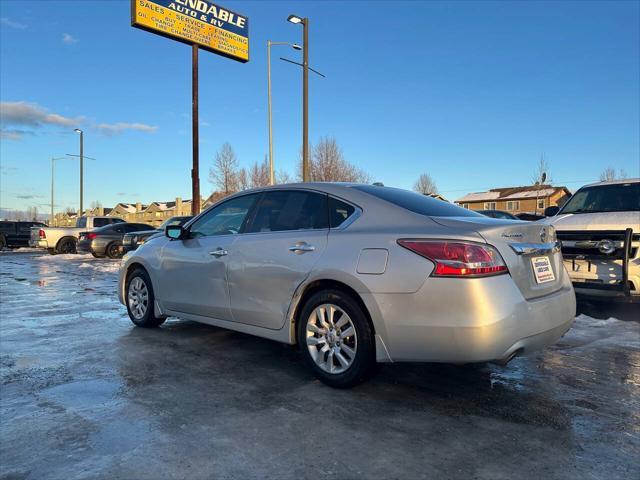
[(153, 214), (531, 199)]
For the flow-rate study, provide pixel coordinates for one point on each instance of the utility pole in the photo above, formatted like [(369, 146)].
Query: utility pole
[(195, 169)]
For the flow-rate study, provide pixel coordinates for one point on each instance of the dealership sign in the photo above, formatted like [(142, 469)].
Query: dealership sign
[(195, 22)]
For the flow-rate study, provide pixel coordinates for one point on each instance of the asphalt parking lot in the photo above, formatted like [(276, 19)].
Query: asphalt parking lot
[(84, 394)]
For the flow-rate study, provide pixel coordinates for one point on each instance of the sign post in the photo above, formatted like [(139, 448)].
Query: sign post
[(203, 25), (195, 124)]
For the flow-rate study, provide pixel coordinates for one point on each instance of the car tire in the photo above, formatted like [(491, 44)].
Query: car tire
[(112, 251), (3, 242), (342, 352), (140, 300), (66, 246)]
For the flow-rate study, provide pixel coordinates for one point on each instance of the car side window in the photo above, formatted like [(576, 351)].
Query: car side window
[(284, 210), (118, 229), (339, 211), (225, 219), (24, 228), (7, 227), (100, 222)]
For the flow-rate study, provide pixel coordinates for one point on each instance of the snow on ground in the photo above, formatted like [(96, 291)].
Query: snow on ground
[(93, 394)]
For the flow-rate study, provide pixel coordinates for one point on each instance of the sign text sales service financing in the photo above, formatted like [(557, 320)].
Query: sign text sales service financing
[(199, 22)]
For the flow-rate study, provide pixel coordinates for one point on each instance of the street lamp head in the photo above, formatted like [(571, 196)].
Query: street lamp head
[(294, 19), (295, 46), (77, 130)]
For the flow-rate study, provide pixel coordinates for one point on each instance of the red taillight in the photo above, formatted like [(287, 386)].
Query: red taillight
[(41, 234), (458, 259), (91, 236)]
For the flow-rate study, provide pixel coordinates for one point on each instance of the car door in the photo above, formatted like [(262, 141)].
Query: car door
[(193, 269), (284, 239)]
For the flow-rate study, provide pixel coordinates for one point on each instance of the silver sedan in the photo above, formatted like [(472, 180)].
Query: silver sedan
[(357, 274)]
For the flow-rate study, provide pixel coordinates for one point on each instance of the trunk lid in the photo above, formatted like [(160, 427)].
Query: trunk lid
[(526, 247)]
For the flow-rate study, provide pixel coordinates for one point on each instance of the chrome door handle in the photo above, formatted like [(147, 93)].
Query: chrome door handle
[(301, 248), (219, 253)]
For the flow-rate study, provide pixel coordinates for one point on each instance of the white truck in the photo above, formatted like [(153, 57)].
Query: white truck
[(599, 228), (64, 239)]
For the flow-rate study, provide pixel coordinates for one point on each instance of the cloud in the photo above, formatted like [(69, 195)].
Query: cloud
[(6, 134), (29, 197), (125, 194), (69, 39), (7, 22), (25, 114), (32, 115), (116, 128)]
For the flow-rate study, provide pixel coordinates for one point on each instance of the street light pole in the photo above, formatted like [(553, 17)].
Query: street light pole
[(81, 167), (305, 93), (305, 100), (271, 160)]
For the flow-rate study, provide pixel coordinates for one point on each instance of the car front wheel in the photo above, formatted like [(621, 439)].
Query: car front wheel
[(336, 339), (140, 300)]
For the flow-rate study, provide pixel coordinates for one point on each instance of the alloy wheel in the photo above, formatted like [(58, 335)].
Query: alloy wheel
[(138, 298), (331, 338)]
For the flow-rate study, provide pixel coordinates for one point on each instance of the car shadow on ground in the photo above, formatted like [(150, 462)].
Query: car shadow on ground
[(203, 364)]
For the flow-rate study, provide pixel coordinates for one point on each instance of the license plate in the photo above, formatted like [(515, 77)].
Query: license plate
[(542, 269)]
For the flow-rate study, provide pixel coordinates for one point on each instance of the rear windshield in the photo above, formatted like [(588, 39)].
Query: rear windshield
[(620, 197), (417, 202)]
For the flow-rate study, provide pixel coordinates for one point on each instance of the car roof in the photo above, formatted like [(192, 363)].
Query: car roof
[(613, 182)]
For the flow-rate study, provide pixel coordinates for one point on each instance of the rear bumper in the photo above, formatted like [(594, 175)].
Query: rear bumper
[(39, 243), (470, 320)]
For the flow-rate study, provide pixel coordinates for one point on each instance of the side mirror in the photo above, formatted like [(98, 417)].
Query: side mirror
[(551, 211), (175, 232)]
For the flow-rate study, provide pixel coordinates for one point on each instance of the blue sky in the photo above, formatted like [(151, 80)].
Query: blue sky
[(470, 92)]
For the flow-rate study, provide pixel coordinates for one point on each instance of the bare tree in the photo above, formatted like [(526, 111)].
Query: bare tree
[(224, 172), (327, 164), (542, 169), (259, 174), (425, 185), (243, 179), (96, 204), (32, 213), (609, 174), (283, 177)]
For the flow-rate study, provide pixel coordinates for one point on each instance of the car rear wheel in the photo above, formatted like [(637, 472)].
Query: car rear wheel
[(113, 250), (140, 300), (66, 246), (336, 339)]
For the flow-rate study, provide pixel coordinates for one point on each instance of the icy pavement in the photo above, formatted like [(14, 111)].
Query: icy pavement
[(86, 395)]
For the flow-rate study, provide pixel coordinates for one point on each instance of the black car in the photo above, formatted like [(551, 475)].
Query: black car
[(131, 241), (108, 240), (16, 234), (498, 214), (530, 217)]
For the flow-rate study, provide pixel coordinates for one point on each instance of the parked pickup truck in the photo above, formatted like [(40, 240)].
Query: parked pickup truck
[(599, 228), (65, 239)]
